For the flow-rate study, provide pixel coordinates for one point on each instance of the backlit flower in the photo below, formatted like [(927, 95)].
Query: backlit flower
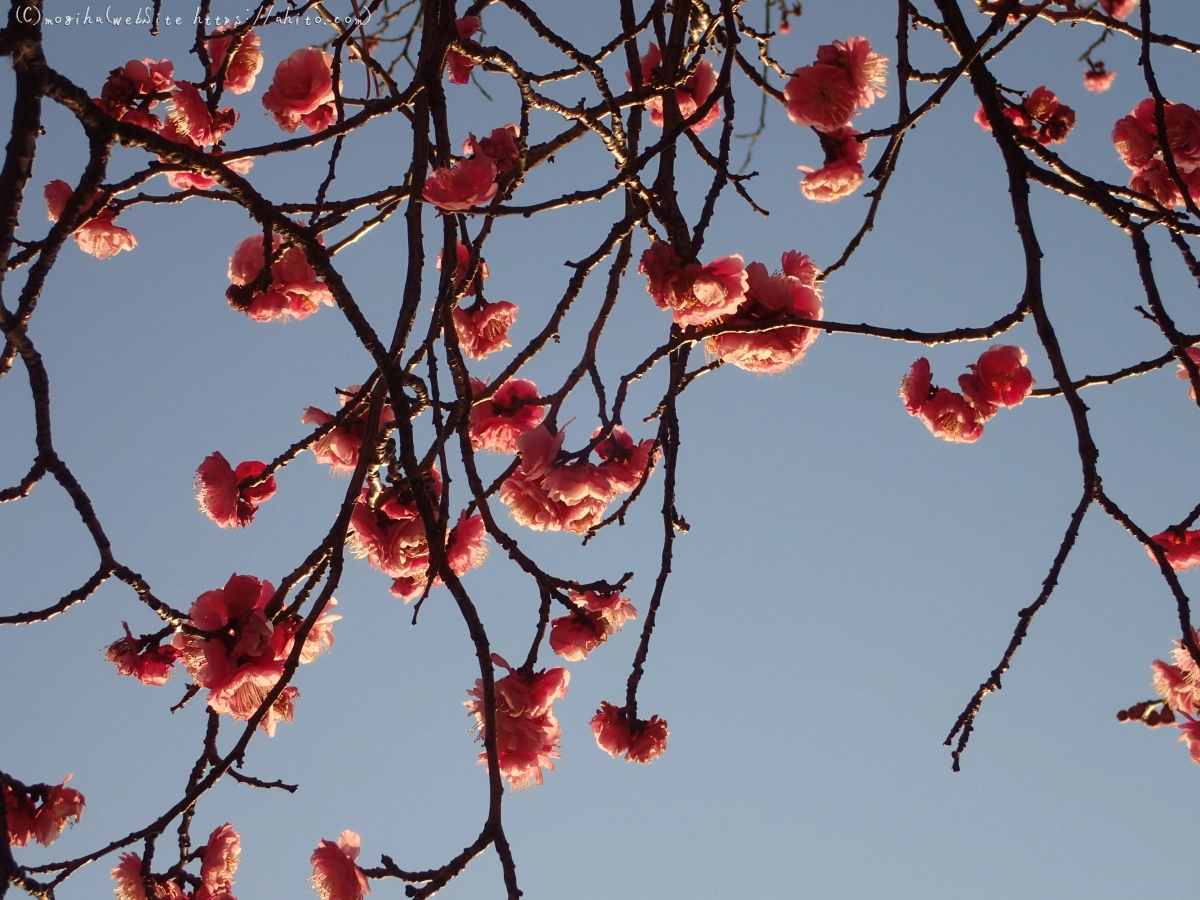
[(770, 297), (153, 666), (527, 732), (301, 87), (696, 294), (867, 69), (221, 498), (496, 423), (336, 875), (482, 328), (100, 237), (822, 96), (690, 96), (247, 62), (462, 185)]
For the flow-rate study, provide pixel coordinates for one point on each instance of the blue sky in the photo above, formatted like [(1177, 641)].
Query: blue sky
[(847, 582)]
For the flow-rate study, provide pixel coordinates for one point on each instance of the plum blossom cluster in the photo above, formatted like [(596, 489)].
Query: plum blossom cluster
[(497, 422), (842, 173), (301, 92), (237, 652), (221, 496), (40, 812), (1136, 140), (696, 294), (100, 236), (527, 733), (549, 492), (482, 328), (791, 293), (387, 530), (218, 862), (144, 660), (1040, 116), (619, 734), (469, 180), (194, 120), (998, 379), (726, 292), (1178, 684), (690, 96), (339, 447), (336, 875), (288, 288), (574, 636), (845, 79)]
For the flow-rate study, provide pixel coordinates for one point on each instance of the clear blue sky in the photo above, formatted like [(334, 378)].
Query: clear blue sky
[(847, 582)]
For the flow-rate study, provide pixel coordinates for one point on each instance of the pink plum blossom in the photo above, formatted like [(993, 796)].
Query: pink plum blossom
[(649, 741), (690, 96), (527, 732), (1179, 683), (1134, 142), (867, 69), (153, 666), (336, 875), (831, 182), (22, 814), (616, 735), (247, 62), (1182, 548), (576, 635), (500, 147), (1098, 80), (294, 290), (100, 237), (463, 184), (950, 417), (466, 546), (1001, 377), (191, 118), (1119, 9), (44, 823), (696, 294), (611, 729), (625, 463), (821, 96), (244, 662), (1155, 181), (1190, 734), (482, 328), (463, 257), (546, 495), (136, 83), (339, 447), (301, 91), (497, 422), (221, 498), (220, 860), (458, 65), (771, 297), (1183, 134), (130, 885)]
